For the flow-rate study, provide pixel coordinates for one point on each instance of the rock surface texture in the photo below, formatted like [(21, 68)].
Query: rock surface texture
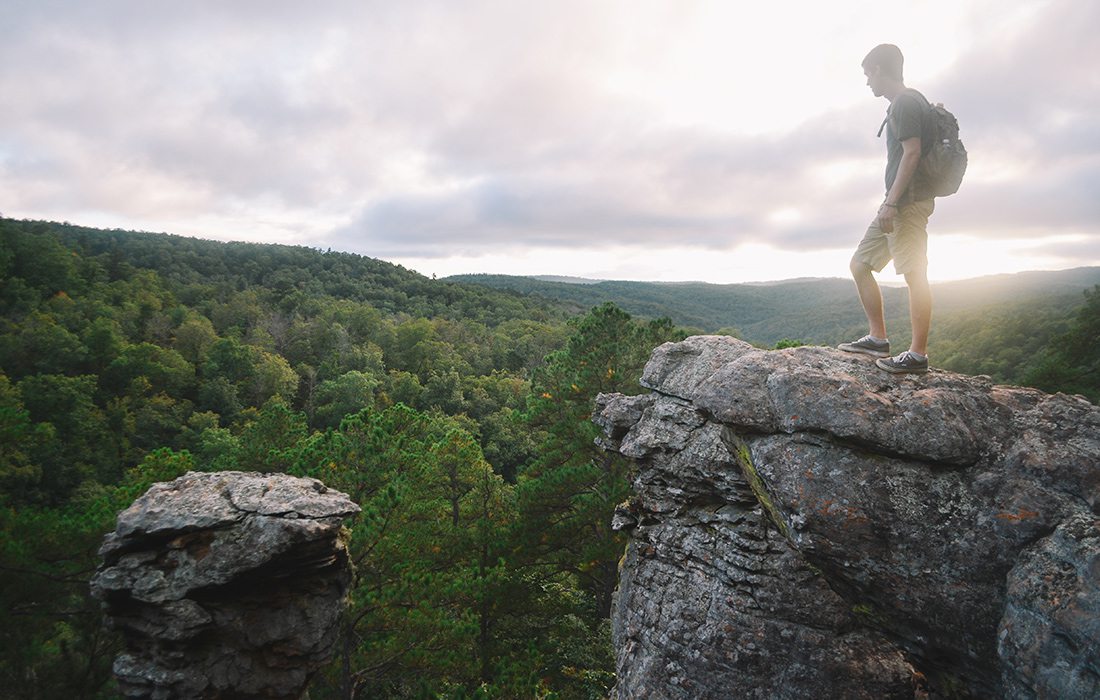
[(805, 525), (226, 585)]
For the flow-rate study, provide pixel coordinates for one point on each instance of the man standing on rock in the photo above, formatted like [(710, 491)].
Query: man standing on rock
[(900, 228)]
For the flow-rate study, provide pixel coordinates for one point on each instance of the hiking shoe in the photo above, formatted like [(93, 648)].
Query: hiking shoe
[(868, 346), (905, 363)]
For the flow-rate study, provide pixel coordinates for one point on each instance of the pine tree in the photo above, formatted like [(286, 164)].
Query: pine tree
[(427, 548), (1071, 362), (568, 494)]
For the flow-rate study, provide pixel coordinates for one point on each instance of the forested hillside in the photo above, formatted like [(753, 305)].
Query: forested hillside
[(456, 415), (993, 325)]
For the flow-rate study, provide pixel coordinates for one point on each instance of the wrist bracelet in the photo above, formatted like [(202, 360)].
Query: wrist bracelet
[(887, 204)]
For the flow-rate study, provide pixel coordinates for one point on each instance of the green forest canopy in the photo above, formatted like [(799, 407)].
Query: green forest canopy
[(128, 358), (821, 310)]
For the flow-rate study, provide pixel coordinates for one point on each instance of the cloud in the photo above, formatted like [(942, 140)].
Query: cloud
[(428, 128), (699, 188), (1027, 102)]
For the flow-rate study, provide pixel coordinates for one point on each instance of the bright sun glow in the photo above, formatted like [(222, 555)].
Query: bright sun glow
[(742, 264), (954, 257), (714, 66)]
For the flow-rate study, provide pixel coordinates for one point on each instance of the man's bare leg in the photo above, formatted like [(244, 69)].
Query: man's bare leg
[(920, 309), (870, 296)]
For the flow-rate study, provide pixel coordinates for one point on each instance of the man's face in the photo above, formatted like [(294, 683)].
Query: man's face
[(874, 79)]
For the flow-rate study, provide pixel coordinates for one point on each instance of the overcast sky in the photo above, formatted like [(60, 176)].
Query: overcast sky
[(722, 141)]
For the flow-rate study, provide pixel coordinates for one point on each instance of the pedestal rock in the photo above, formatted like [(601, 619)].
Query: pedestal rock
[(226, 585)]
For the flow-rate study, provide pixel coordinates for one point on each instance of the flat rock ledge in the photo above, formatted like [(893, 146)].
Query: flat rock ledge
[(806, 525), (226, 585)]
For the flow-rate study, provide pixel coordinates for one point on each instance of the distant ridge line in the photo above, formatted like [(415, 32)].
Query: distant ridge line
[(567, 279), (817, 310)]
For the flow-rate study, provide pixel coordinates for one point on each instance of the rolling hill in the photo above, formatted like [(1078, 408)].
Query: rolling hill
[(816, 311)]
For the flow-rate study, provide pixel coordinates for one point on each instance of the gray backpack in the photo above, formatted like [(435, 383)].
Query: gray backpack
[(944, 164), (943, 161)]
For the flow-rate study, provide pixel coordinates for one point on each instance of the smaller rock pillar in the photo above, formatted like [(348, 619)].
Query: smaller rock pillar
[(226, 585)]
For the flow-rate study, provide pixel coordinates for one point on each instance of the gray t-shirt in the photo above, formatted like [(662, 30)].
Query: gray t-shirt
[(908, 116)]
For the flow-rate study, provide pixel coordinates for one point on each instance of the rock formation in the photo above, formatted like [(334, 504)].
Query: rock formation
[(226, 585), (806, 525)]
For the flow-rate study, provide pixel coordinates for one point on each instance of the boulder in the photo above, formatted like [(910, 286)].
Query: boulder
[(226, 585), (806, 525)]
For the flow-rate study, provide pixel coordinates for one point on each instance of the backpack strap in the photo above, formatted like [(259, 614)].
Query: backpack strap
[(923, 99)]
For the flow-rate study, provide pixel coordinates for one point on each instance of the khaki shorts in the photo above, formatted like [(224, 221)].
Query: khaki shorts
[(907, 246)]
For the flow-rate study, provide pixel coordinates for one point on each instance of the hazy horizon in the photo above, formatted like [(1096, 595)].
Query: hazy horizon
[(886, 278), (900, 282)]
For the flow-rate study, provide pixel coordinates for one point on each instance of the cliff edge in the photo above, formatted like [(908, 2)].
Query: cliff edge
[(806, 525)]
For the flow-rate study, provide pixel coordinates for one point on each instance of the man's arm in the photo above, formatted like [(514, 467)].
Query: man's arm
[(910, 158)]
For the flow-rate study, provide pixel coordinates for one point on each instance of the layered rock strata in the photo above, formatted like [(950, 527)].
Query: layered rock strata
[(226, 585), (806, 525)]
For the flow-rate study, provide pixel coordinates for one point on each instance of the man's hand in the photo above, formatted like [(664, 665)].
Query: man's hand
[(886, 214), (910, 157)]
